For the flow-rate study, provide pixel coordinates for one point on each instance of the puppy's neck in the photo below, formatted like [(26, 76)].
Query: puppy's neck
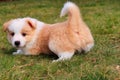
[(38, 29)]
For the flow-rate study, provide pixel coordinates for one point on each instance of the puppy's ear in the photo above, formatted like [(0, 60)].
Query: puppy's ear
[(6, 24), (31, 23)]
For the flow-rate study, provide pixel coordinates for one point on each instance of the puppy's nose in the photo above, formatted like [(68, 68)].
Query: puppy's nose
[(17, 43)]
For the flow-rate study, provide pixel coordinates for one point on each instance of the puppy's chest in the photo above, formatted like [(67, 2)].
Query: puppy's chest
[(41, 43)]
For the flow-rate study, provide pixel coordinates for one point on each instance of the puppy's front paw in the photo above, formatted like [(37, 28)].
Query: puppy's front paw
[(55, 61), (18, 52), (15, 53)]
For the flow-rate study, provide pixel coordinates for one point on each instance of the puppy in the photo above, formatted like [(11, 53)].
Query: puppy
[(33, 37)]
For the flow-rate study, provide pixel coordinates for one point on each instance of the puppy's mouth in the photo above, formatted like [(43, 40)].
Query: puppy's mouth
[(18, 47)]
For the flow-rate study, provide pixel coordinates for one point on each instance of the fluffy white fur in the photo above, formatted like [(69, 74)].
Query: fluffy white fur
[(66, 7)]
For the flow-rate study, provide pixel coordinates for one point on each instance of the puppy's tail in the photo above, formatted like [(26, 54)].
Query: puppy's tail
[(74, 16)]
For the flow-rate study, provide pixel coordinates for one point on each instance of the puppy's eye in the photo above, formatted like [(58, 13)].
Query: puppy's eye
[(24, 34), (12, 34)]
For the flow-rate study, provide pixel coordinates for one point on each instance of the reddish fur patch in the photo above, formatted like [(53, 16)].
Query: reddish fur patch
[(6, 24)]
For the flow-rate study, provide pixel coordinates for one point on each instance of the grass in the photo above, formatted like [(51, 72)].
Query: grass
[(101, 63)]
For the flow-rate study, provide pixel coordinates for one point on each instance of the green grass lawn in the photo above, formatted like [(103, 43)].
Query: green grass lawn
[(101, 63)]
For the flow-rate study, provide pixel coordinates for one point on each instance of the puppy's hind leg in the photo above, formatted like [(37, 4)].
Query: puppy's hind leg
[(64, 52)]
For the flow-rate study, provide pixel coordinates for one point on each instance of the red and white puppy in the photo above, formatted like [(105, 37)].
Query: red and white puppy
[(32, 37)]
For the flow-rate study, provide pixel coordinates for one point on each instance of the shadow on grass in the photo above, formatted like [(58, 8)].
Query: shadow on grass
[(42, 55), (8, 50)]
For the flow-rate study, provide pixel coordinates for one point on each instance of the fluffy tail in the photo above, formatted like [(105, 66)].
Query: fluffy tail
[(73, 13)]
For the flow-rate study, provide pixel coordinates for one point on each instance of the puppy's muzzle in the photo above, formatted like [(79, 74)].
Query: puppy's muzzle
[(17, 43)]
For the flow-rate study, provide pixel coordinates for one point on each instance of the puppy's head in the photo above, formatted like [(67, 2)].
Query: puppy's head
[(20, 31)]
